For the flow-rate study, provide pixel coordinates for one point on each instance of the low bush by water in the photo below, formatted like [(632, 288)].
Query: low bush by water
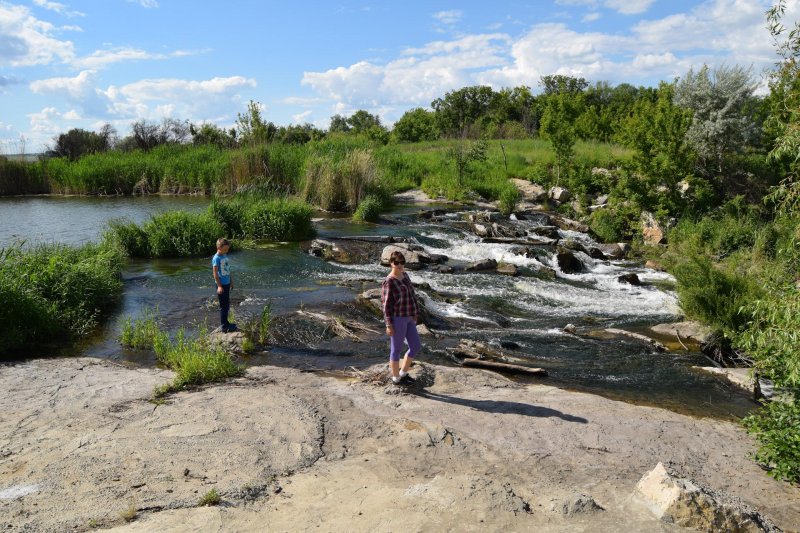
[(182, 234), (55, 292)]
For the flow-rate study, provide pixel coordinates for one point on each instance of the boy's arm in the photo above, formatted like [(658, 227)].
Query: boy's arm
[(216, 279)]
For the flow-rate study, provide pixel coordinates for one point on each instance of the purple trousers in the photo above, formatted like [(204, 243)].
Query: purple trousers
[(405, 329)]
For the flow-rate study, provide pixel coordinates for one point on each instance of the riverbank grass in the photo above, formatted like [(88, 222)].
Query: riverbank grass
[(55, 292), (194, 361)]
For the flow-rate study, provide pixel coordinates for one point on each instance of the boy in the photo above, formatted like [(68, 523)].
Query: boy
[(220, 266)]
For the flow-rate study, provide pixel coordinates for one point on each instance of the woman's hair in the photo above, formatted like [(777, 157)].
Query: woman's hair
[(397, 256)]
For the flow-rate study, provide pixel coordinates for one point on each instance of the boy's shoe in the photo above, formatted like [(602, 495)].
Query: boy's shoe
[(231, 328), (407, 379)]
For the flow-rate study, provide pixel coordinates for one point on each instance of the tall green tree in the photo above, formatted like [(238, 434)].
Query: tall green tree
[(463, 111), (558, 126), (416, 125), (251, 126)]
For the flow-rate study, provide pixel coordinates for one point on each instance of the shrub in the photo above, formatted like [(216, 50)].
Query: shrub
[(193, 360), (509, 197), (210, 498), (369, 209), (18, 177), (54, 291), (141, 332), (712, 295), (129, 236), (337, 181), (182, 234), (777, 426), (278, 219)]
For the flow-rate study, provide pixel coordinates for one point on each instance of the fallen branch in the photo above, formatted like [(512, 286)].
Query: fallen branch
[(503, 367)]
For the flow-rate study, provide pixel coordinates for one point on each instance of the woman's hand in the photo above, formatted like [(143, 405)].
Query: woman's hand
[(390, 331)]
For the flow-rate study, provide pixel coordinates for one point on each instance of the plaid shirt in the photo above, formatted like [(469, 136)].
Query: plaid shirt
[(397, 297)]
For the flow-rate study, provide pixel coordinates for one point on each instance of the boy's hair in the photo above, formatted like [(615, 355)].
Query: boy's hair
[(222, 241)]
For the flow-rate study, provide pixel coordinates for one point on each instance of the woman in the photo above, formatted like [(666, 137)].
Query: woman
[(400, 313)]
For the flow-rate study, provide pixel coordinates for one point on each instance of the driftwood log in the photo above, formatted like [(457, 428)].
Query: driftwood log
[(503, 367), (638, 336), (476, 354)]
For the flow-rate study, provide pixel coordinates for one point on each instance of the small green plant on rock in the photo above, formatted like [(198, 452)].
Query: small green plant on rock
[(209, 498)]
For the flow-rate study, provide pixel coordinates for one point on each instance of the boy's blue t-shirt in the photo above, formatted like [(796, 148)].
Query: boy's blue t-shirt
[(223, 268)]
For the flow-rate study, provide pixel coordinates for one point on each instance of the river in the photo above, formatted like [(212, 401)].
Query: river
[(530, 310)]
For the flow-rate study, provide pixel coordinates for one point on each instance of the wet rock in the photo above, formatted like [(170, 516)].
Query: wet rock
[(507, 269), (578, 504), (687, 329), (612, 251), (509, 345), (569, 224), (682, 502), (530, 191), (567, 262), (559, 194), (657, 346), (228, 342), (347, 251), (484, 217), (652, 231), (483, 264), (654, 265), (414, 254), (630, 278), (570, 328), (443, 269), (551, 232), (480, 230), (741, 378)]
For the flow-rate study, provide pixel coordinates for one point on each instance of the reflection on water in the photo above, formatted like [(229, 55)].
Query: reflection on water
[(79, 219), (530, 310)]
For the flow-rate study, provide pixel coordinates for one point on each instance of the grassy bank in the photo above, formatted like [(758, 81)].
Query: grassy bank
[(182, 234), (54, 292), (194, 360), (17, 177)]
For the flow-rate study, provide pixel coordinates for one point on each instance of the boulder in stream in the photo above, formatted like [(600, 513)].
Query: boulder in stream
[(652, 231), (559, 194), (612, 251), (629, 278), (415, 255), (530, 191), (567, 262), (483, 264), (507, 269)]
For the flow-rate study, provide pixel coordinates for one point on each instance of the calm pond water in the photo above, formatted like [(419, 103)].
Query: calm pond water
[(529, 310), (79, 219)]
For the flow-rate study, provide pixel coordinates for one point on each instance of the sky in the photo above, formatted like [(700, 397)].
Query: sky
[(80, 64)]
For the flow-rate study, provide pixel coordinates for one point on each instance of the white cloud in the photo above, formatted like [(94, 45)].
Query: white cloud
[(449, 17), (629, 7), (145, 3), (102, 58), (26, 40), (421, 75), (302, 100), (301, 118), (58, 8), (591, 17)]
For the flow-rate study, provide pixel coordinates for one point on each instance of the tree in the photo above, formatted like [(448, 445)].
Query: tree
[(251, 126), (560, 84), (299, 134), (362, 121), (339, 124), (463, 110), (416, 125), (656, 130), (723, 119), (558, 125), (464, 153), (78, 142), (212, 134), (146, 135)]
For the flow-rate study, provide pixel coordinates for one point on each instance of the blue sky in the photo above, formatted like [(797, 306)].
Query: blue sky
[(70, 63)]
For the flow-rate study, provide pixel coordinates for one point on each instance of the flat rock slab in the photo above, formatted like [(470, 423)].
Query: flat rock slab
[(687, 329), (463, 450)]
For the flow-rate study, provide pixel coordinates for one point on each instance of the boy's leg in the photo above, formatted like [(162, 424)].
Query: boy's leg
[(224, 306)]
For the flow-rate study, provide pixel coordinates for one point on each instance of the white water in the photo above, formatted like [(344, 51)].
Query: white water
[(595, 292)]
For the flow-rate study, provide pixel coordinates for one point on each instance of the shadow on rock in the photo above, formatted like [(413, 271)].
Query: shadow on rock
[(503, 407)]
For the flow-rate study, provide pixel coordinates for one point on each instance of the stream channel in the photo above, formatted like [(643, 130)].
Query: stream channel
[(527, 312)]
